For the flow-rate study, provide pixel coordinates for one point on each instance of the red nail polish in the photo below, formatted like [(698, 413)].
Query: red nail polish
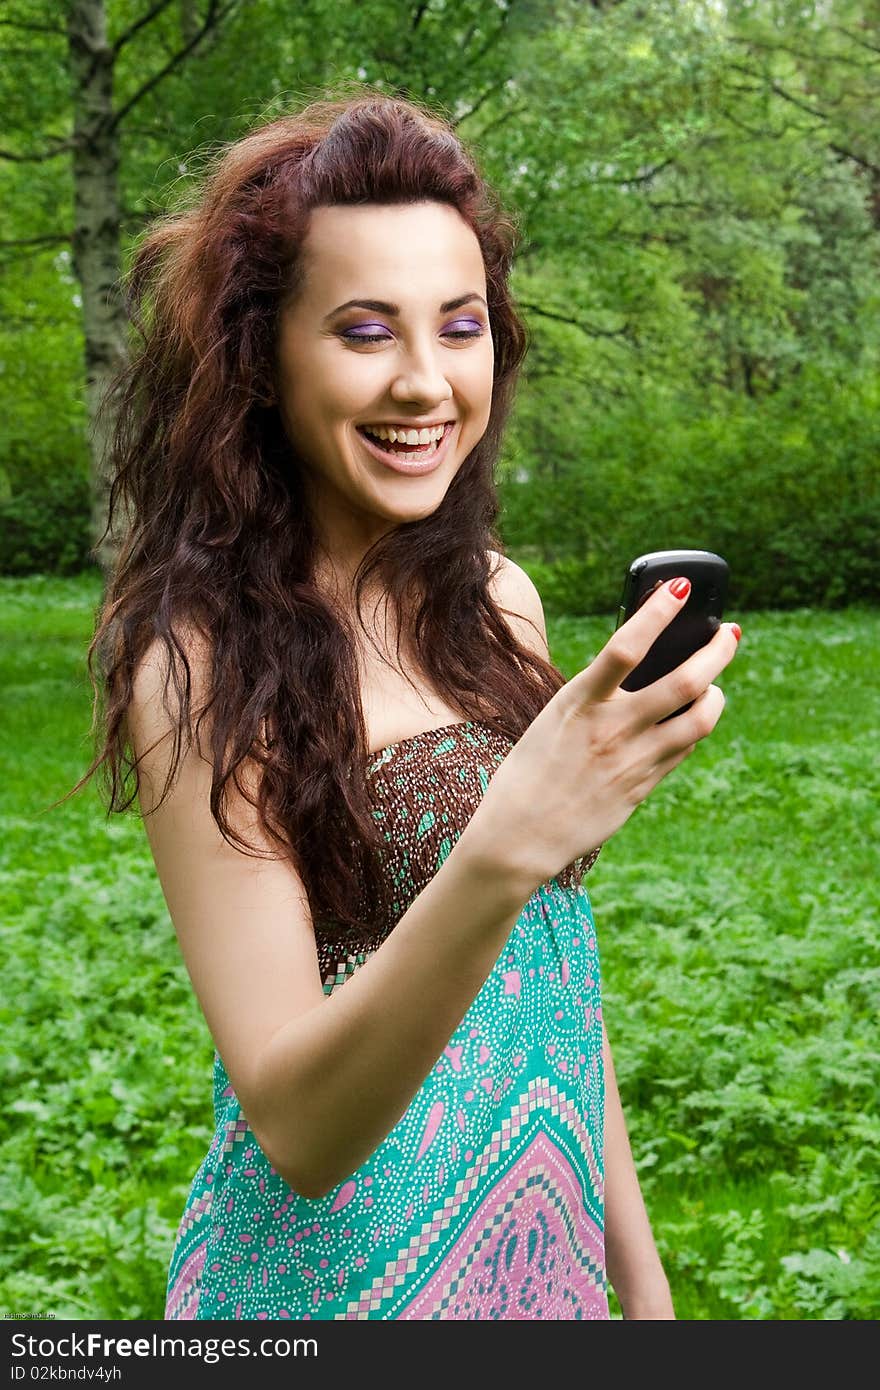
[(737, 630), (680, 588)]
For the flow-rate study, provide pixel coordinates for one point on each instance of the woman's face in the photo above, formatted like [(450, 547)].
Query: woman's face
[(419, 355)]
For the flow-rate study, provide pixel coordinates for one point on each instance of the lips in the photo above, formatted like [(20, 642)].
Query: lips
[(393, 461)]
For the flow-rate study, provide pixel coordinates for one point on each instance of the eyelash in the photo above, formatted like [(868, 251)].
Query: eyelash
[(385, 337)]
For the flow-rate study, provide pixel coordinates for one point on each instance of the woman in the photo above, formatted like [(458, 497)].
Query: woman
[(372, 844)]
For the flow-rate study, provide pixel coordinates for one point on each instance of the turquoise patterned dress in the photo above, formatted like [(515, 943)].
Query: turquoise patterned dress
[(486, 1198)]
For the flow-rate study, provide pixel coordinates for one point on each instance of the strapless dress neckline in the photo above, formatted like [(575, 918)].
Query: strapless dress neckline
[(426, 733)]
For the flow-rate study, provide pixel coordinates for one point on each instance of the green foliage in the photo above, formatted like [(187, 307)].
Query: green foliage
[(785, 488), (736, 913), (45, 524), (698, 259), (101, 1033)]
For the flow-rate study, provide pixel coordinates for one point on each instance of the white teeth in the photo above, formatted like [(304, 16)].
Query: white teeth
[(415, 458), (402, 436)]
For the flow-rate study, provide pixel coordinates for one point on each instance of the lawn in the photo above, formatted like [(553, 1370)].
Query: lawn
[(737, 916)]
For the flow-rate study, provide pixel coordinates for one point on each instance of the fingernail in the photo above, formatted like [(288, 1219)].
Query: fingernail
[(680, 587), (736, 630)]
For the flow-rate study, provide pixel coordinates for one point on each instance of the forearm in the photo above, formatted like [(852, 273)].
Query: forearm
[(632, 1262), (335, 1081)]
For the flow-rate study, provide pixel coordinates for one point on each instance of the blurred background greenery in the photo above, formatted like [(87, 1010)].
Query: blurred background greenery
[(698, 190), (697, 186)]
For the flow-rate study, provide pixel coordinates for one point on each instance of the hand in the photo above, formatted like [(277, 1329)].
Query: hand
[(595, 752)]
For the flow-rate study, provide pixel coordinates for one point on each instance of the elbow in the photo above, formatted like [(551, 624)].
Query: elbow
[(280, 1146), (291, 1169), (304, 1186), (296, 1149)]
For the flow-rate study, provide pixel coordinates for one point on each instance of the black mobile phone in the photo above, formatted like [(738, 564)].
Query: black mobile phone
[(698, 621)]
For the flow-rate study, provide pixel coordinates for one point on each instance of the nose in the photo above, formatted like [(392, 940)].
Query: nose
[(420, 378)]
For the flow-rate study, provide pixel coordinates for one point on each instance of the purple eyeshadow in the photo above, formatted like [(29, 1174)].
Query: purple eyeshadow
[(360, 329), (365, 332)]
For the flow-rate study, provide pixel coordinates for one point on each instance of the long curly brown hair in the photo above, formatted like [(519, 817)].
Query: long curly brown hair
[(217, 538)]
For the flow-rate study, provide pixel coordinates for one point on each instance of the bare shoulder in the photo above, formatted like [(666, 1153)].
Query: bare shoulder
[(152, 685), (516, 594)]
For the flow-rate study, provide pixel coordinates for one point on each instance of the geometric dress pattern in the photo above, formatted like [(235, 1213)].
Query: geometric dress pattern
[(485, 1201)]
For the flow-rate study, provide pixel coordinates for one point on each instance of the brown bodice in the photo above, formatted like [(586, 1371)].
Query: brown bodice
[(424, 791)]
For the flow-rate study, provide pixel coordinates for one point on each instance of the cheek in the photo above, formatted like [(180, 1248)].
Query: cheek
[(322, 384), (339, 381), (476, 385)]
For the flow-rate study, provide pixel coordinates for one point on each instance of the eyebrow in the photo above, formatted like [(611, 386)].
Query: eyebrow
[(381, 307)]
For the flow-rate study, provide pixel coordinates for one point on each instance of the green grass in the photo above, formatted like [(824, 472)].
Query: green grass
[(737, 916)]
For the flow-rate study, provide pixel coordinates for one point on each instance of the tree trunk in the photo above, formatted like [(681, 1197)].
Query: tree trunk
[(96, 246)]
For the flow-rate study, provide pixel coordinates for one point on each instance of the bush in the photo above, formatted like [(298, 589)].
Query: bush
[(784, 487), (45, 525)]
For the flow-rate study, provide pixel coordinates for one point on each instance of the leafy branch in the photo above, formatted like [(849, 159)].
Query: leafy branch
[(128, 34), (591, 330), (217, 13)]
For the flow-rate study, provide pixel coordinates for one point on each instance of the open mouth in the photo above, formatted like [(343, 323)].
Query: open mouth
[(406, 453)]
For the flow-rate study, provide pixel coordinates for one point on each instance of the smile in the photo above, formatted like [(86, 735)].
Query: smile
[(413, 459)]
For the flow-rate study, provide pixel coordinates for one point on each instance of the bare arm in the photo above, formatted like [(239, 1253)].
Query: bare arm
[(349, 1068), (631, 1257)]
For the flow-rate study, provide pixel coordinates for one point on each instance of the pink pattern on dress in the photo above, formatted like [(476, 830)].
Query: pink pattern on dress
[(183, 1298), (519, 1257)]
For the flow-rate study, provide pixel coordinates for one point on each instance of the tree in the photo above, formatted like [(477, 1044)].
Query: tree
[(93, 147)]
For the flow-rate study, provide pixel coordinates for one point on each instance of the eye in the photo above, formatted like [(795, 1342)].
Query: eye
[(355, 335), (473, 329)]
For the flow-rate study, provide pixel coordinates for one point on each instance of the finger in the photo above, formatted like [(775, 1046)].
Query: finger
[(689, 680), (628, 646), (677, 739), (697, 722), (660, 770)]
